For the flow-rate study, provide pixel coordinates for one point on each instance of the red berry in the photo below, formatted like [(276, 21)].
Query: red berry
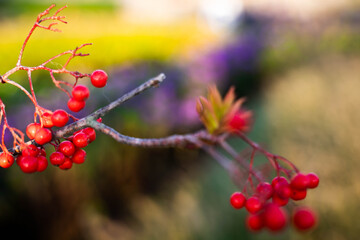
[(30, 150), (31, 130), (91, 133), (79, 156), (43, 136), (99, 78), (276, 180), (254, 222), (60, 118), (75, 105), (42, 152), (67, 148), (81, 140), (279, 200), (80, 93), (299, 181), (237, 200), (18, 159), (253, 204), (46, 120), (298, 194), (275, 218), (264, 190), (313, 180), (57, 158), (6, 160), (28, 164), (42, 163), (282, 189), (304, 218), (66, 165)]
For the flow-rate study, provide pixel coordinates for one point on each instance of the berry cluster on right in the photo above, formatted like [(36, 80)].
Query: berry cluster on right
[(266, 206)]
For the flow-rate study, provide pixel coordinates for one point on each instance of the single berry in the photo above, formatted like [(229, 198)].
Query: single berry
[(67, 148), (79, 156), (298, 194), (282, 189), (279, 200), (237, 200), (276, 180), (275, 218), (75, 105), (66, 165), (60, 118), (28, 164), (300, 181), (91, 133), (31, 130), (46, 120), (253, 204), (264, 190), (254, 222), (18, 159), (6, 160), (42, 163), (80, 93), (304, 218), (43, 136), (313, 180), (42, 152), (31, 150), (57, 158), (81, 140), (99, 78)]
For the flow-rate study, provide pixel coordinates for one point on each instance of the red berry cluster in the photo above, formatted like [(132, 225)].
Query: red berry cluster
[(81, 93), (265, 206), (32, 158)]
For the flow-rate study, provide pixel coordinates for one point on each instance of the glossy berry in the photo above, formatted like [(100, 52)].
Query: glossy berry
[(75, 105), (80, 93), (79, 156), (91, 133), (42, 152), (275, 218), (81, 140), (31, 130), (313, 180), (237, 200), (42, 163), (279, 200), (253, 204), (66, 165), (30, 150), (298, 194), (28, 164), (6, 160), (57, 158), (282, 189), (46, 120), (43, 136), (99, 78), (264, 190), (67, 148), (254, 222), (60, 118), (300, 181), (304, 218)]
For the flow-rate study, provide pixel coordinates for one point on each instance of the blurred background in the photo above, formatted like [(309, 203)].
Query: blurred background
[(297, 62)]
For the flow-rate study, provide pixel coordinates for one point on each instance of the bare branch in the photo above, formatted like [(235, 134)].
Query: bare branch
[(86, 121)]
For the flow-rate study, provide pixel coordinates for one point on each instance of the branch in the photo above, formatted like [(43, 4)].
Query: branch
[(87, 121)]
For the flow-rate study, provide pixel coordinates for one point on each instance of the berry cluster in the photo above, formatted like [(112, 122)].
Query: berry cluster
[(80, 93), (265, 205), (32, 157)]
